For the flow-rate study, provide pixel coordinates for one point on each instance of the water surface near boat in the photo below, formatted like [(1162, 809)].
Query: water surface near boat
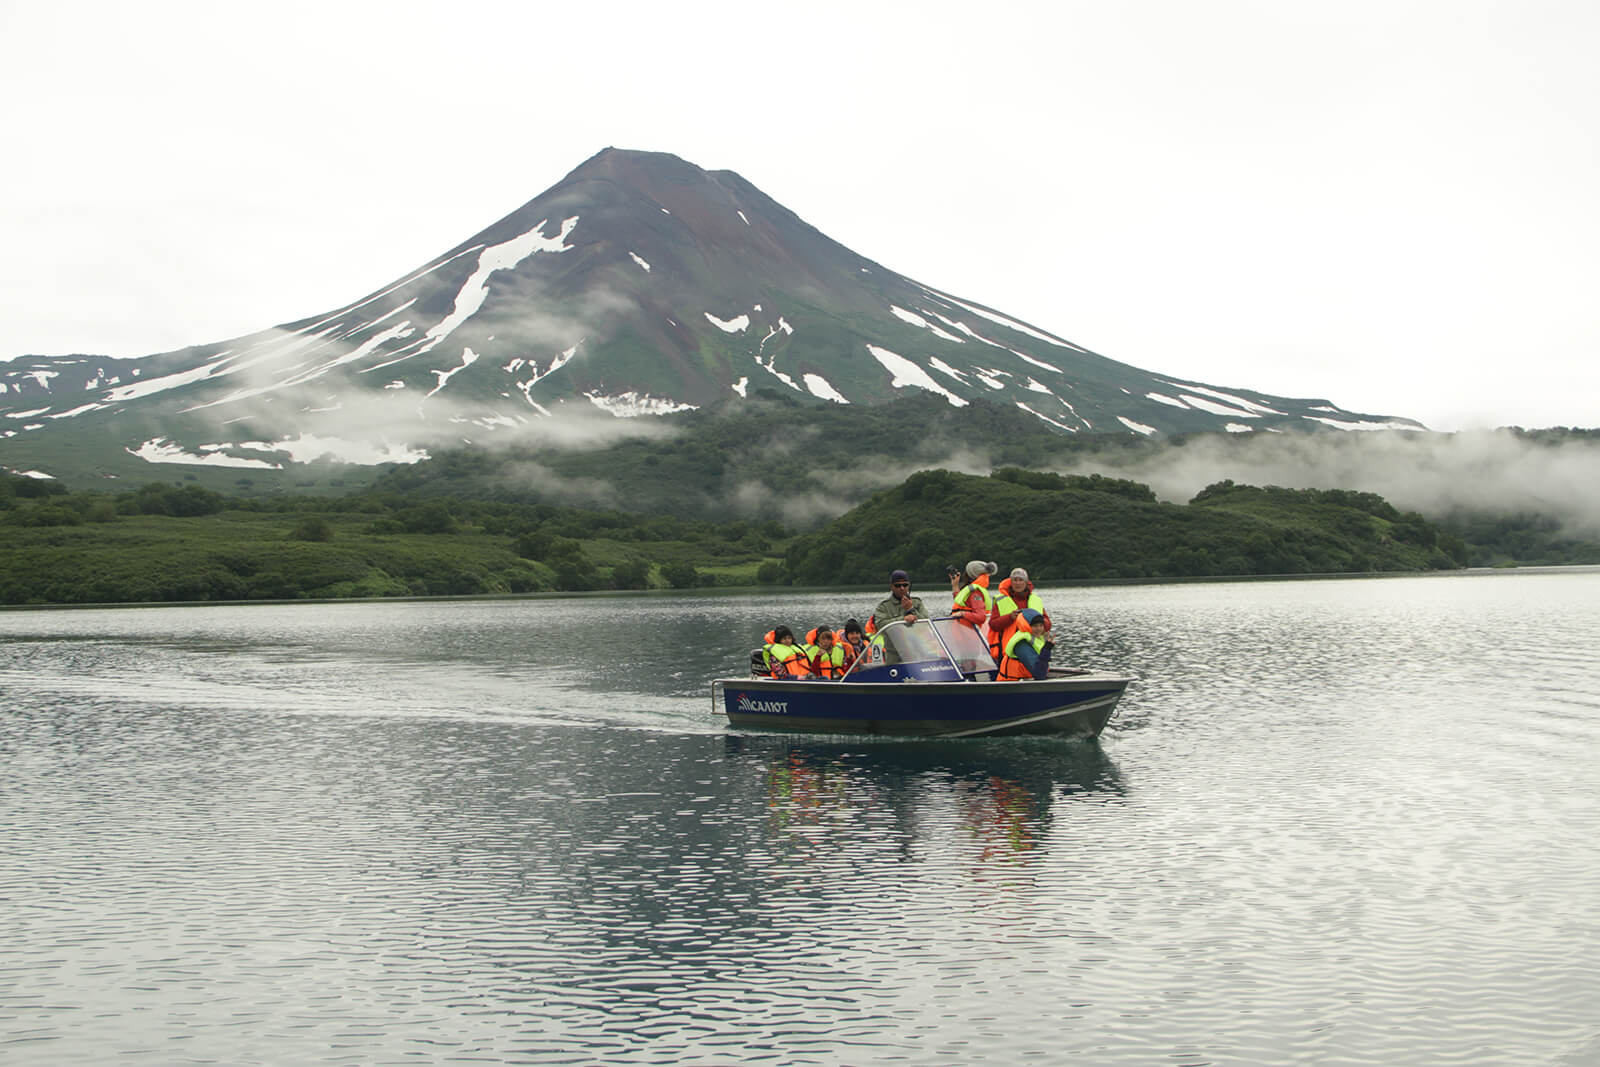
[(1335, 821)]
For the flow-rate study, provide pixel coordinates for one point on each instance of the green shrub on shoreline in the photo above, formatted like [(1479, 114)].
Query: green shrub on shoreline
[(180, 543)]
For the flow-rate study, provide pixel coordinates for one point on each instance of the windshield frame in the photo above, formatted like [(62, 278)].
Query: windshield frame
[(916, 651)]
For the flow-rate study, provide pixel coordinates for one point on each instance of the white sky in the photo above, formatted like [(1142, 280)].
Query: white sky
[(1388, 204)]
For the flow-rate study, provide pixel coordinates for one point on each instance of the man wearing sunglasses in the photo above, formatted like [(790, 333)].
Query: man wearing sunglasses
[(900, 604)]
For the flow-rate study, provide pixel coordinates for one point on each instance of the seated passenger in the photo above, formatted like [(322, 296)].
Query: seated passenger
[(1016, 594), (852, 640), (1026, 649), (784, 658), (827, 657)]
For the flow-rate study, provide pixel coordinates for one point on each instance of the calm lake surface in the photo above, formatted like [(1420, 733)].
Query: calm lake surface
[(1339, 821)]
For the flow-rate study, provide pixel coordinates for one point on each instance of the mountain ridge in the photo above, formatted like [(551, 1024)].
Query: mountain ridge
[(638, 284)]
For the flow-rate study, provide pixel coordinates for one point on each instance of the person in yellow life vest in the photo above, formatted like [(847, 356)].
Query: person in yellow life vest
[(972, 602), (784, 658), (826, 656), (1026, 651), (1017, 594)]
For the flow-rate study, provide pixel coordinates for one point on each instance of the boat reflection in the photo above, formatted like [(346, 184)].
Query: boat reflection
[(990, 803)]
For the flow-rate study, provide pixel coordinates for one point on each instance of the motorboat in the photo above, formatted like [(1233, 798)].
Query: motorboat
[(929, 678)]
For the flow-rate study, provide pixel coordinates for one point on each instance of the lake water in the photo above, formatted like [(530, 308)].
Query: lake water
[(1335, 822)]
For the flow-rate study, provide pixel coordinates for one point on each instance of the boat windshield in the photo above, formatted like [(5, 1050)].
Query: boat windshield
[(909, 644), (900, 652), (966, 646)]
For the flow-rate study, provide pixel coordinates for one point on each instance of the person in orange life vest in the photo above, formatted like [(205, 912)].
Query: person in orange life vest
[(971, 602), (1026, 651), (852, 641), (784, 658), (899, 604), (827, 658), (1016, 595)]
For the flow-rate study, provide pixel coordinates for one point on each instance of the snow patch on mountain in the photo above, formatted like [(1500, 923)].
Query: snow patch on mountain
[(1236, 427), (1214, 408), (76, 411), (468, 358), (402, 283), (1360, 424), (737, 324), (820, 386), (1136, 427), (387, 315), (631, 405), (537, 375), (905, 373), (770, 365), (488, 422), (637, 258), (1045, 418), (162, 450), (1170, 401), (1041, 364), (917, 320), (504, 256), (169, 381), (1229, 398), (947, 370), (1008, 323), (277, 348), (742, 385), (399, 331), (305, 447)]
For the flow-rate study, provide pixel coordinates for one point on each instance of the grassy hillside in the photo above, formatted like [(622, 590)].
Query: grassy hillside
[(168, 543)]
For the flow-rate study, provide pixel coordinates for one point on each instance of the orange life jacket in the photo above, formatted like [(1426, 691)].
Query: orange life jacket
[(790, 662), (973, 617), (1011, 668)]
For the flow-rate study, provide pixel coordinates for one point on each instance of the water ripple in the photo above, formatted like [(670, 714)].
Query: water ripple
[(1335, 822)]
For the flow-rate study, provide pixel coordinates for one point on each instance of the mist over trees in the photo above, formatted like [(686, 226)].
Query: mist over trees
[(772, 491)]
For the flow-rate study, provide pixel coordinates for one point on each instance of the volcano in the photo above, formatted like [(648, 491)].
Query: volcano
[(638, 285)]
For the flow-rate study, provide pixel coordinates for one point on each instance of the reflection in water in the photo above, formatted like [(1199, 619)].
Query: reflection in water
[(997, 792), (437, 831)]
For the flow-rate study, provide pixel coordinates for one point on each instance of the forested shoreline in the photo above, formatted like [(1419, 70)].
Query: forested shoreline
[(174, 542)]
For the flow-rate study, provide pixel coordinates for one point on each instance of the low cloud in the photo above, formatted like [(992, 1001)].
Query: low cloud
[(1435, 474), (558, 488)]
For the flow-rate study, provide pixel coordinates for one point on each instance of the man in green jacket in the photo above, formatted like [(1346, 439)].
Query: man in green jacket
[(898, 605)]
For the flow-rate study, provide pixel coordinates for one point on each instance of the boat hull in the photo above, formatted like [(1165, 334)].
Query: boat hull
[(1078, 705)]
